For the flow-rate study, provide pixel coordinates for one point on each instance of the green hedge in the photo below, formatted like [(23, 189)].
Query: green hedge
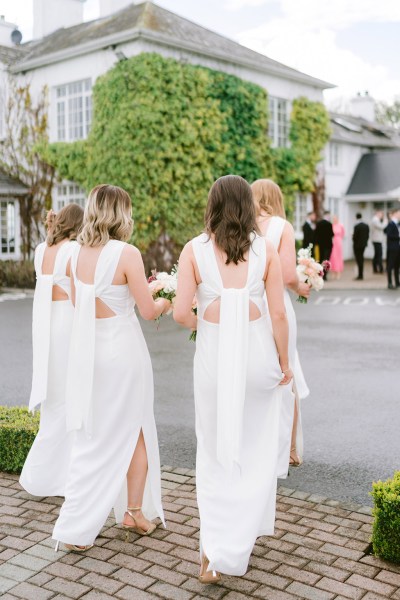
[(17, 274), (386, 512), (18, 429)]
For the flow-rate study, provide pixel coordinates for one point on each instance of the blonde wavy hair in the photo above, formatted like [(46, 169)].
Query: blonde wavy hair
[(108, 216), (267, 196), (64, 225)]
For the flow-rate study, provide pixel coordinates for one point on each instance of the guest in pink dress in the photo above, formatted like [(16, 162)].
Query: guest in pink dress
[(336, 259)]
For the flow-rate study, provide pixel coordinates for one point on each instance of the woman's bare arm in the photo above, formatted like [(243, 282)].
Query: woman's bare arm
[(132, 265), (187, 286), (274, 289)]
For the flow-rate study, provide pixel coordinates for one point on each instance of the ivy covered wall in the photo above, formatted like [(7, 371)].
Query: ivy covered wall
[(165, 130)]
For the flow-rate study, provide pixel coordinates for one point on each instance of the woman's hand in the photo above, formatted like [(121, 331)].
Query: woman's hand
[(287, 376), (167, 305), (303, 289)]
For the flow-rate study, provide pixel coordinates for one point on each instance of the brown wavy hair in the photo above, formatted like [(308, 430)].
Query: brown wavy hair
[(268, 197), (108, 216), (64, 225), (231, 217)]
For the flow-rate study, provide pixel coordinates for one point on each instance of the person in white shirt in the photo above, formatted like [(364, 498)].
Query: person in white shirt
[(378, 225)]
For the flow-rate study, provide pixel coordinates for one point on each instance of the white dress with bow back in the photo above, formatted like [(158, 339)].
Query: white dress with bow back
[(237, 396), (299, 390), (109, 400), (45, 469)]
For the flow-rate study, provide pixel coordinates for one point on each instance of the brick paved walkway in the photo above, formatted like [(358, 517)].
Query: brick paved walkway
[(318, 553)]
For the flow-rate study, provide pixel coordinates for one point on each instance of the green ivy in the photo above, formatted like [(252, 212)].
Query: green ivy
[(165, 130), (296, 166), (18, 429), (386, 512)]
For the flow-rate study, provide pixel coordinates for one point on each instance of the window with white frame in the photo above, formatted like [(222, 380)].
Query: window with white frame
[(334, 155), (301, 209), (74, 110), (279, 121), (68, 192), (7, 226)]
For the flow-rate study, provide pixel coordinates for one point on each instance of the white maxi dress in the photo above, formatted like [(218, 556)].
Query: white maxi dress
[(237, 401), (109, 400), (45, 469), (299, 390)]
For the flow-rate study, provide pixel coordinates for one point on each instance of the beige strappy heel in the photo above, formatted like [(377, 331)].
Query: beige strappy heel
[(208, 576), (135, 527), (294, 462), (75, 548)]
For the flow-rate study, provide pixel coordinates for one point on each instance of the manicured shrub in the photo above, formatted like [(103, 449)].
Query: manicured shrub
[(17, 274), (386, 512), (18, 429)]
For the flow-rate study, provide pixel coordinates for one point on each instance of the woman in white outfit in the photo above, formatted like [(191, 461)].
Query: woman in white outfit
[(115, 457), (45, 469), (238, 368), (273, 226)]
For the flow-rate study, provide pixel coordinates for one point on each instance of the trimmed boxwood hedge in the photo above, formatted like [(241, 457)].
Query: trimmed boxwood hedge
[(18, 429), (386, 512)]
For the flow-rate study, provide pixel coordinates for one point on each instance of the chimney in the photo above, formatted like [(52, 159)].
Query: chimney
[(363, 105), (50, 15), (6, 30), (108, 7)]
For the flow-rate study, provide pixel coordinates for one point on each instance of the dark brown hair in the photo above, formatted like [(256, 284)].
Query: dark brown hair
[(66, 224), (231, 217)]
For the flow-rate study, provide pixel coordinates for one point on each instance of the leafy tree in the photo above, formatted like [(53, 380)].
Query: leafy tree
[(388, 114), (21, 157), (296, 166)]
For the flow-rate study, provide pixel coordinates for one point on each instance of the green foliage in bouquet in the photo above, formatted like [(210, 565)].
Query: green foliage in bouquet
[(386, 512), (18, 429)]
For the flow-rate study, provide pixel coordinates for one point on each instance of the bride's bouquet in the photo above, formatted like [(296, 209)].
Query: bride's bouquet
[(164, 285), (310, 271)]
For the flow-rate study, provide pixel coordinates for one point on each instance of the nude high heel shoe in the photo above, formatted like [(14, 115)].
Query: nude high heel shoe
[(294, 462), (75, 548), (208, 576), (135, 527)]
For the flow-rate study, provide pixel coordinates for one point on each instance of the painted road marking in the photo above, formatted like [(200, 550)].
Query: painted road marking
[(356, 301)]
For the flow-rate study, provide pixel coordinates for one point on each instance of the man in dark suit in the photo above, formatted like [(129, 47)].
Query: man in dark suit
[(360, 241), (309, 230), (324, 238), (393, 249)]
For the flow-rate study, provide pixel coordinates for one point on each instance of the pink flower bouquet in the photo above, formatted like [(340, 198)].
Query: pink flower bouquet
[(164, 285), (310, 271)]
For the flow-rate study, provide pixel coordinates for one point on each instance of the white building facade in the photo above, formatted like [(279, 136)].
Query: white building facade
[(68, 56)]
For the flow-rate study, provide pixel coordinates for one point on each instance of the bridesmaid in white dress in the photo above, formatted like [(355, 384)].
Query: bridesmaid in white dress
[(274, 227), (115, 457), (45, 469), (238, 368)]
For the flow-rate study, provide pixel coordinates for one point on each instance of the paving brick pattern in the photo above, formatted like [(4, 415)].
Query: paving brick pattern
[(319, 552)]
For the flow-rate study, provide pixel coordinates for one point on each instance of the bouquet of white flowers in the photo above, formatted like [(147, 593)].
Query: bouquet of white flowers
[(164, 285), (310, 271)]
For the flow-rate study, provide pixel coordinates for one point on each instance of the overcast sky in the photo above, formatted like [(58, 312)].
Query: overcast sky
[(354, 44)]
